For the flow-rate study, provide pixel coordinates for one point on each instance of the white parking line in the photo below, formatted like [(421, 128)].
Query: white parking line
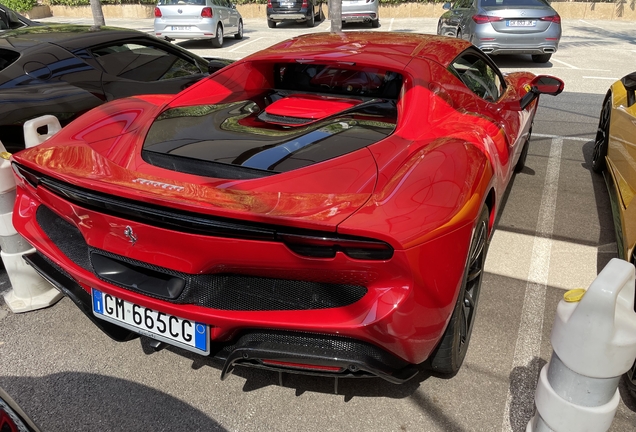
[(528, 344), (601, 78), (564, 63), (391, 24), (590, 24), (247, 43), (569, 138)]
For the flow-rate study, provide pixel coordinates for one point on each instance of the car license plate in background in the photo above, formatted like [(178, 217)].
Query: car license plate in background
[(177, 331), (180, 28), (521, 23)]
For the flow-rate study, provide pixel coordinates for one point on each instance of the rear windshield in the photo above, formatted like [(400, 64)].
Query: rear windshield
[(513, 3), (369, 81)]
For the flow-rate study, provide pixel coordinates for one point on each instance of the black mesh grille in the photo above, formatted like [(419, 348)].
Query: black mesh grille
[(336, 346), (217, 291)]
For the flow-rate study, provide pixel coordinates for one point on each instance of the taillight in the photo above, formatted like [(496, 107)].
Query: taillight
[(206, 12), (269, 4), (157, 13), (302, 366), (483, 19), (326, 247), (554, 18), (305, 3)]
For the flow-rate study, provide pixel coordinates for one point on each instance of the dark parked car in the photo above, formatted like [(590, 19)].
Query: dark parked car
[(66, 70), (10, 19), (294, 10)]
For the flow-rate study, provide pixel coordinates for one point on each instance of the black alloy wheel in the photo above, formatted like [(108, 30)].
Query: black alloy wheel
[(601, 142), (449, 355)]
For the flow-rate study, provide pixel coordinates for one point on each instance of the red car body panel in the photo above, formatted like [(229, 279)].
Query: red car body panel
[(419, 190)]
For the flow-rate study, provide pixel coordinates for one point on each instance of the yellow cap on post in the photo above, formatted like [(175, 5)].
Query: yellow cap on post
[(574, 295), (5, 155)]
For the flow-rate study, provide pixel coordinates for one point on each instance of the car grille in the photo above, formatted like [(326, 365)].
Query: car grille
[(218, 291)]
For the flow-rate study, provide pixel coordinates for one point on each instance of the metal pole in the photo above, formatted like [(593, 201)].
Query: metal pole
[(335, 15)]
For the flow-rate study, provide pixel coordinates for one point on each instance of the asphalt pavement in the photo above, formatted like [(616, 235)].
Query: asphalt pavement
[(554, 233)]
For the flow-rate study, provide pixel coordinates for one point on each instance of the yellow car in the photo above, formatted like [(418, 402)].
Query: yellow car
[(614, 155)]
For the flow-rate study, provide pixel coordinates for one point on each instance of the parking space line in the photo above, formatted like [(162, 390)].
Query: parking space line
[(247, 43), (528, 345), (564, 63), (601, 78), (590, 24), (391, 24), (569, 138)]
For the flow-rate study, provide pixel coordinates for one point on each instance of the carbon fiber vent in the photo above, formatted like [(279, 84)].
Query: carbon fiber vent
[(217, 291)]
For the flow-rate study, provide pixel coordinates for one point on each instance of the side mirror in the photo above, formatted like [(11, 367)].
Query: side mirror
[(446, 6), (215, 64), (629, 82), (541, 84)]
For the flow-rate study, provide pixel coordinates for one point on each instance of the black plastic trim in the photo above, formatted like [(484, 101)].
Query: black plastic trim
[(71, 289)]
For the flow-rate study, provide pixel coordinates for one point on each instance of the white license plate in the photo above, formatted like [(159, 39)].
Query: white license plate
[(521, 23), (167, 328), (180, 28)]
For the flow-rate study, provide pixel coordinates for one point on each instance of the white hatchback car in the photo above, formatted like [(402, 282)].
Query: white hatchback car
[(195, 19)]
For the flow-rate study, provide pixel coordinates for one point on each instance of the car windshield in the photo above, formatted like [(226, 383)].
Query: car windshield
[(514, 3)]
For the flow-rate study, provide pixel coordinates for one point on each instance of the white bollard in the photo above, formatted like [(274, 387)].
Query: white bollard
[(29, 291), (594, 343), (31, 135)]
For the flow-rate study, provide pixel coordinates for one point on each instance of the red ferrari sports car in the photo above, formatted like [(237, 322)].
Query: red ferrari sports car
[(320, 207)]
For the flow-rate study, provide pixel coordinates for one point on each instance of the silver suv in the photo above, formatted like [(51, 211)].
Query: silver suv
[(361, 11), (195, 19)]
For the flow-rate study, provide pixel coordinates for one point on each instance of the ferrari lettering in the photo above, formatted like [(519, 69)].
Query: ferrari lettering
[(161, 185)]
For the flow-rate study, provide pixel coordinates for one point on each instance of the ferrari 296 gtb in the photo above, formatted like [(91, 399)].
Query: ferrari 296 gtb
[(323, 206)]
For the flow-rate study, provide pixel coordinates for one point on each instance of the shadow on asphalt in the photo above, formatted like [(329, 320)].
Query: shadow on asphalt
[(256, 379), (523, 381), (108, 403)]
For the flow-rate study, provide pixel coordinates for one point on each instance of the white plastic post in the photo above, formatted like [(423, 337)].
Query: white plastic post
[(29, 291), (31, 135), (594, 343)]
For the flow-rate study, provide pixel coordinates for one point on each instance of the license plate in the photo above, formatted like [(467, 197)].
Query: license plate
[(167, 328), (521, 23), (180, 28)]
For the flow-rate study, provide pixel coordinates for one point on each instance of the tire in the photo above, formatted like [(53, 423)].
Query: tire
[(439, 28), (271, 24), (311, 19), (601, 143), (459, 34), (375, 23), (631, 383), (217, 40), (521, 163), (450, 353), (239, 34), (541, 58)]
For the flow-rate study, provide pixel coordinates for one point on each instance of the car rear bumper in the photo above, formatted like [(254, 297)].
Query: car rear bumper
[(359, 17), (496, 49), (293, 352), (297, 16), (399, 313)]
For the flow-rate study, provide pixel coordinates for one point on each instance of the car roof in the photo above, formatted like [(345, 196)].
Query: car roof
[(394, 48), (69, 37)]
